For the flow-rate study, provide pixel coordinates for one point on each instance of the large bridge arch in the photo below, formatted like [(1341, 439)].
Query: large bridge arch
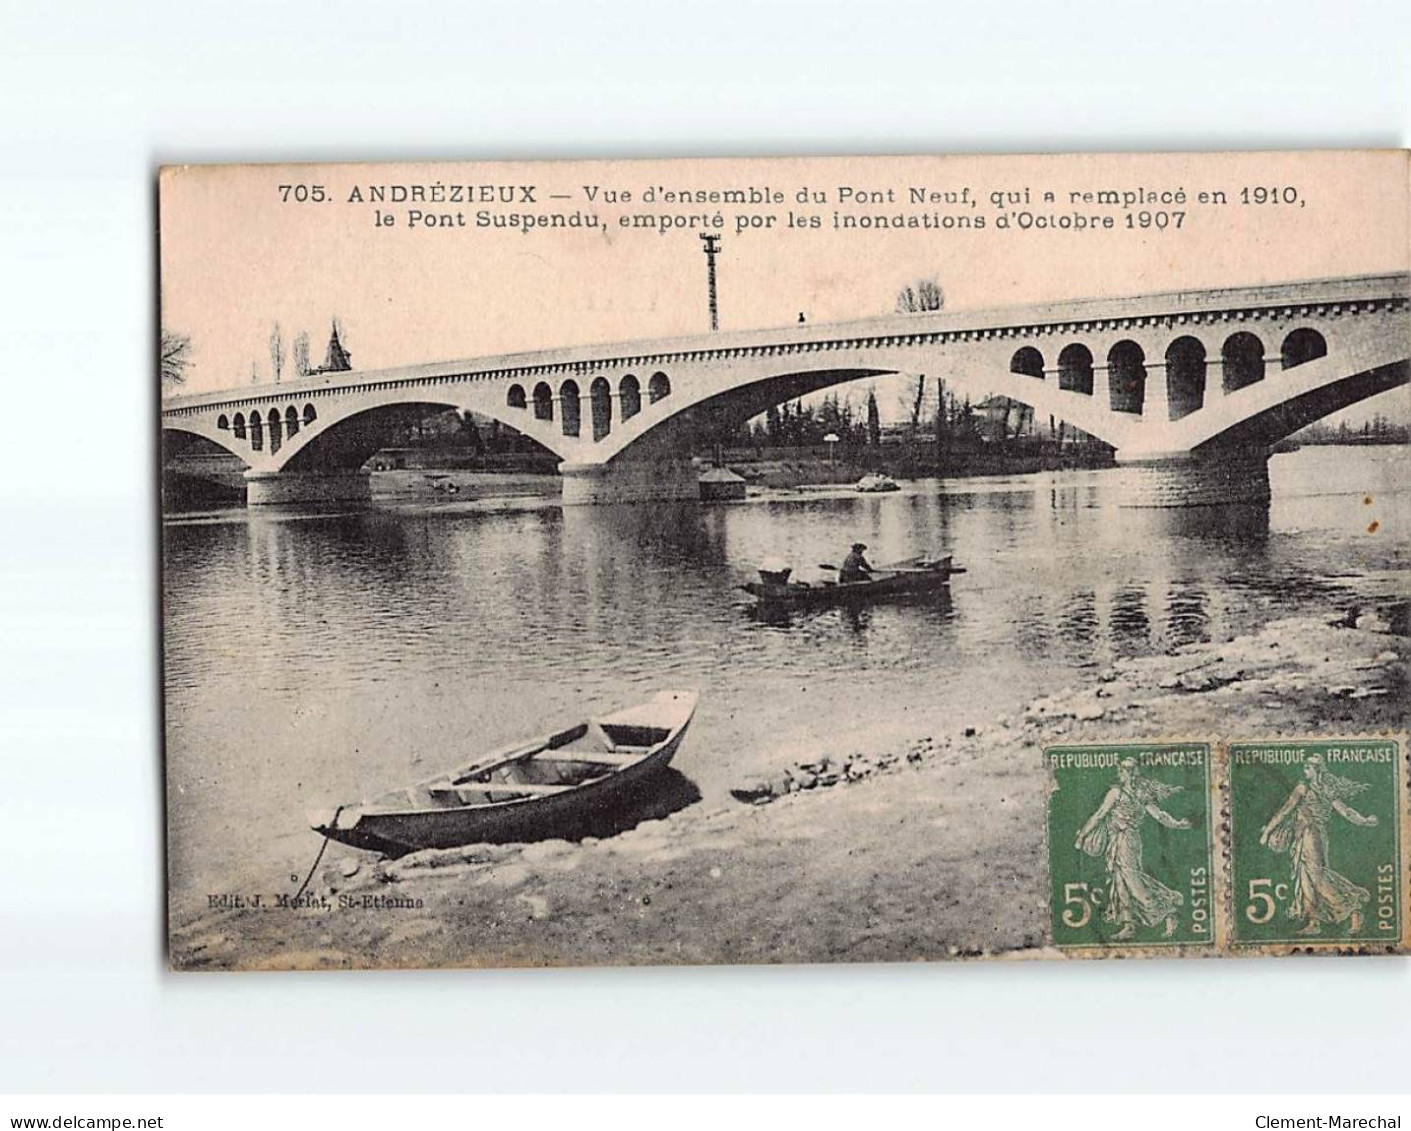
[(1279, 409), (666, 425), (716, 394), (347, 442)]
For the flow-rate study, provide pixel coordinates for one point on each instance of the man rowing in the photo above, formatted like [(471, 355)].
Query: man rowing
[(855, 567)]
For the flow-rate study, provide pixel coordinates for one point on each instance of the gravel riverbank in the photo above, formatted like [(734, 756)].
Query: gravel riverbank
[(928, 849)]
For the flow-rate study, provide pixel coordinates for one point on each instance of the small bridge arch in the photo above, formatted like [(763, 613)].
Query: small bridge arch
[(189, 436)]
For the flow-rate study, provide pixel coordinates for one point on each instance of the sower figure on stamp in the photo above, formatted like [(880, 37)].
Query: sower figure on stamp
[(1300, 828), (1134, 897)]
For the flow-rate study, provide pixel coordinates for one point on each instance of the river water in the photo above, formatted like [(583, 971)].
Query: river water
[(313, 659)]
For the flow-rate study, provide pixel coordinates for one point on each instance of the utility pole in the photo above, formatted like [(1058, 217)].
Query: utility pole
[(712, 249)]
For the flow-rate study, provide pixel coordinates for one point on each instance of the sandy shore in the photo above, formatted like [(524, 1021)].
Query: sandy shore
[(927, 849)]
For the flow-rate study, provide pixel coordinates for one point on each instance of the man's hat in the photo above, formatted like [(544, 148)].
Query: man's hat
[(859, 545)]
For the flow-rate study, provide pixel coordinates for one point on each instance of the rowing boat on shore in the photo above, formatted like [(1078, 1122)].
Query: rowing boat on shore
[(912, 576), (530, 791)]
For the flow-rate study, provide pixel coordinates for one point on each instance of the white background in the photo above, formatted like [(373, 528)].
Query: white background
[(94, 96)]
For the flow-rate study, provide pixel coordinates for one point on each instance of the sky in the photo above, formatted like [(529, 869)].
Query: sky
[(239, 252)]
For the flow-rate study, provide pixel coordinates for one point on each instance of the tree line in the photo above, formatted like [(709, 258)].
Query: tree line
[(1379, 430), (176, 354)]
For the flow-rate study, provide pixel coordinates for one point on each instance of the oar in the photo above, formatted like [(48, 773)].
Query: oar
[(881, 568), (899, 568), (501, 758)]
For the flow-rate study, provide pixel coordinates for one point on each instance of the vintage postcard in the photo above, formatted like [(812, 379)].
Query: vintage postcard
[(774, 561)]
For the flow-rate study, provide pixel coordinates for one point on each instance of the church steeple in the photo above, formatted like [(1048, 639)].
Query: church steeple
[(338, 360)]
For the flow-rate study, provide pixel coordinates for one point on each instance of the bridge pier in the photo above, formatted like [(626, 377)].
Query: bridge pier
[(1190, 480), (628, 481), (272, 488)]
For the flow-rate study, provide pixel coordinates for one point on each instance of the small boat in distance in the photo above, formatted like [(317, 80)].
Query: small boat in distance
[(920, 574), (875, 484), (530, 791)]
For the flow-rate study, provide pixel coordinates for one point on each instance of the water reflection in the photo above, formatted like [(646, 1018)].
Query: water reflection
[(1128, 621), (1245, 524), (1078, 622), (600, 590), (1187, 615), (935, 606), (596, 590)]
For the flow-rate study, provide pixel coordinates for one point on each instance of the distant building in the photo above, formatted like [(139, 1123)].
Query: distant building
[(996, 419), (338, 360), (721, 483), (1002, 418)]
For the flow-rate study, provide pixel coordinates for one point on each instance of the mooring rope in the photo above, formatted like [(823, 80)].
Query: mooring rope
[(321, 850)]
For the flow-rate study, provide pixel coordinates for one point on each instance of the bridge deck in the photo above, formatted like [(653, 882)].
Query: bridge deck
[(993, 321)]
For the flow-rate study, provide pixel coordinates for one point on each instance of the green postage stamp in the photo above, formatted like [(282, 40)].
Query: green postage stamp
[(1315, 842), (1130, 844)]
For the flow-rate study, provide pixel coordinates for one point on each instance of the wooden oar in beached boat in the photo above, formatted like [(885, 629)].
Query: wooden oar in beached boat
[(508, 757), (544, 747), (460, 779)]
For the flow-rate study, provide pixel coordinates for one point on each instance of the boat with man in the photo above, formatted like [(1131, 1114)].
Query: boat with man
[(916, 575)]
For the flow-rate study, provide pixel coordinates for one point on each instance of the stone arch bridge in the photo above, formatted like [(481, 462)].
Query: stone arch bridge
[(1190, 388)]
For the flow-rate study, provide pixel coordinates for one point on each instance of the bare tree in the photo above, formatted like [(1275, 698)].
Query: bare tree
[(925, 295), (176, 357), (276, 352), (299, 353), (910, 393)]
